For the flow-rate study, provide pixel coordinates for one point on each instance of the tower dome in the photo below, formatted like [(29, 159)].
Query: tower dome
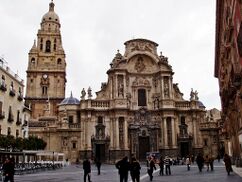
[(51, 16), (70, 101)]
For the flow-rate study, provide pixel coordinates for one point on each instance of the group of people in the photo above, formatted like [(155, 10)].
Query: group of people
[(124, 166)]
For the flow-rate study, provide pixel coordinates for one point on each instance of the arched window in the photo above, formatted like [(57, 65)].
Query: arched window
[(33, 61), (59, 61), (47, 46), (142, 97), (44, 90), (41, 44), (55, 45)]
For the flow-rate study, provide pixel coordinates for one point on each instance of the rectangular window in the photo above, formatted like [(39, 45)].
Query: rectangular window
[(141, 97), (45, 90), (74, 145), (70, 119)]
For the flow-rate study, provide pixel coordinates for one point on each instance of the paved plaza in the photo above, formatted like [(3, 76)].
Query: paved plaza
[(74, 173)]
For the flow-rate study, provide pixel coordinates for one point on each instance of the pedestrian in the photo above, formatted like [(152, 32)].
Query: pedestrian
[(206, 161), (167, 162), (188, 163), (98, 164), (87, 169), (123, 167), (8, 170), (218, 157), (200, 161), (150, 167), (161, 164), (135, 170), (227, 162), (211, 160)]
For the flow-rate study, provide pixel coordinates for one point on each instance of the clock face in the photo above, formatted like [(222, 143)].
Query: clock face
[(45, 76)]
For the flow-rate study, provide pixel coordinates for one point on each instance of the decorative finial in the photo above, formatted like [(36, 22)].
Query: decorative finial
[(71, 91), (51, 6)]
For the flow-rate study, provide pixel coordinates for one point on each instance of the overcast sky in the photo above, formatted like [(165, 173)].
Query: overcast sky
[(93, 30)]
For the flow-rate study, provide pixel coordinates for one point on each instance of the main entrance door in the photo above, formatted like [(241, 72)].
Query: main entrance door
[(184, 149), (144, 146), (100, 152)]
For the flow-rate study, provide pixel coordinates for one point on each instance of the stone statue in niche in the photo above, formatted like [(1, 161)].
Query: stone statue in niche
[(120, 86), (166, 88), (156, 103), (139, 65), (83, 94), (121, 90)]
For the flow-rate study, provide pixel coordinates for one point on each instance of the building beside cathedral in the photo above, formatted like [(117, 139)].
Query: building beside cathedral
[(14, 115), (228, 70), (139, 109)]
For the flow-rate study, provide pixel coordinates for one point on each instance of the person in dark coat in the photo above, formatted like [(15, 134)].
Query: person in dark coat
[(150, 167), (87, 170), (8, 170), (123, 167), (98, 164), (200, 161), (161, 164), (228, 164), (135, 170)]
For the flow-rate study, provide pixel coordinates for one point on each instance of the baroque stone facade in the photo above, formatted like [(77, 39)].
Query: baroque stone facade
[(228, 64), (139, 109)]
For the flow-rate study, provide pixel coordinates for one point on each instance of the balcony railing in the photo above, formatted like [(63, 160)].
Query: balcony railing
[(2, 115), (10, 118), (100, 104), (19, 122), (3, 87), (75, 125), (20, 97), (12, 92), (208, 125)]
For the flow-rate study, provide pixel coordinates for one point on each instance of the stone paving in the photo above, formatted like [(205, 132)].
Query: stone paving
[(74, 173)]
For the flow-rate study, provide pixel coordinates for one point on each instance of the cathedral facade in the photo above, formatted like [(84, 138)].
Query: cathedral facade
[(138, 110)]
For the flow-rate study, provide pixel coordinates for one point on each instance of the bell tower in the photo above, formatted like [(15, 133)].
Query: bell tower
[(46, 72)]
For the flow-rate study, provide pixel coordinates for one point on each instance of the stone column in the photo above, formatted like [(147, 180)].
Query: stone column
[(174, 143), (117, 134), (165, 133), (195, 134), (125, 134), (162, 87)]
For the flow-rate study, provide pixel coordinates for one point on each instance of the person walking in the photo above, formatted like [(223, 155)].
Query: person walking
[(98, 164), (211, 160), (228, 164), (167, 162), (150, 167), (200, 161), (8, 170), (188, 163), (87, 170), (161, 164), (123, 167), (207, 162), (135, 170)]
